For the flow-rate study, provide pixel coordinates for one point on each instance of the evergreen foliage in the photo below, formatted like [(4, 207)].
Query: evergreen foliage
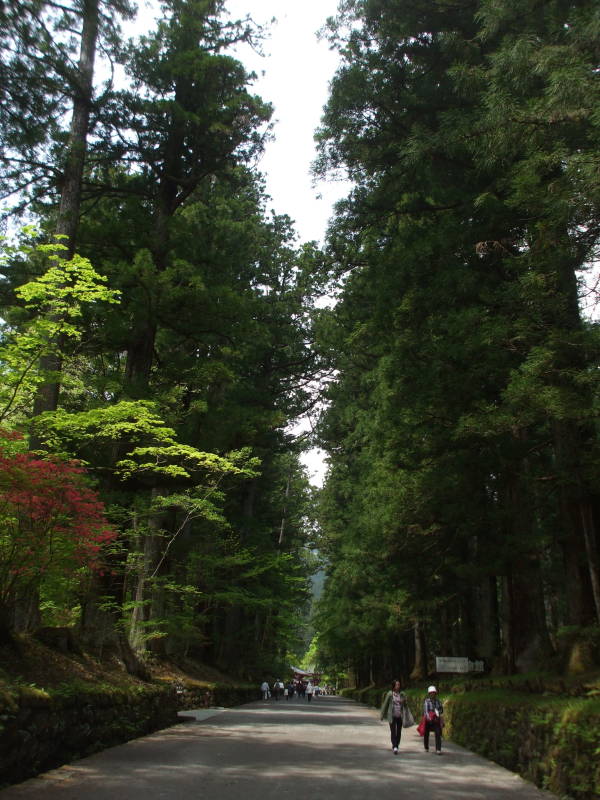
[(460, 512), (175, 376), (171, 352)]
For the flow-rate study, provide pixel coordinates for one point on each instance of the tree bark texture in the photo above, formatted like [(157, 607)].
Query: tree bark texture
[(526, 642), (420, 668), (47, 395)]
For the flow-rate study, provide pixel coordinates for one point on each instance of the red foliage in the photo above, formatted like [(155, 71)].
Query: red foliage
[(49, 518)]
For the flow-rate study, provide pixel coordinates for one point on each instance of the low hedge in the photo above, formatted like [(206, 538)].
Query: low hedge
[(551, 740)]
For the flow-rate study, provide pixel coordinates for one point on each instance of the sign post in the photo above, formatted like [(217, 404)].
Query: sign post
[(457, 665)]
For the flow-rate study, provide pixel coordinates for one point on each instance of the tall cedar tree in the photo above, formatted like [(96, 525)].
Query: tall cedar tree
[(461, 427)]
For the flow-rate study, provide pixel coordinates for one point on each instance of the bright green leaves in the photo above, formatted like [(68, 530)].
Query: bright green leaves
[(183, 461), (55, 303), (65, 287), (134, 421), (151, 446)]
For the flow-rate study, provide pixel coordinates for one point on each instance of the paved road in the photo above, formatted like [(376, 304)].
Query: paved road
[(329, 749)]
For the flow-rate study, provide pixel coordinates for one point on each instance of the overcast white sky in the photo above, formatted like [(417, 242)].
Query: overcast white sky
[(294, 76)]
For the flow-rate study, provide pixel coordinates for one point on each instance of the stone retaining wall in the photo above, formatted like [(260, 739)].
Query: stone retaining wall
[(215, 695), (40, 730)]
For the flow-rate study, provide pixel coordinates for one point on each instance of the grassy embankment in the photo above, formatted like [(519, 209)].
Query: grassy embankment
[(56, 706)]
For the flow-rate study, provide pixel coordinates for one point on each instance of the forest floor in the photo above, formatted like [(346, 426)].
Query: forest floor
[(30, 662)]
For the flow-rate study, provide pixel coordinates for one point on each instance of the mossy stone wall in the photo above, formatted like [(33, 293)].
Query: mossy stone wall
[(40, 730), (554, 742), (199, 695)]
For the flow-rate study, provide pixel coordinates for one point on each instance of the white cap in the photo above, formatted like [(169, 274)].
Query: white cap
[(432, 689)]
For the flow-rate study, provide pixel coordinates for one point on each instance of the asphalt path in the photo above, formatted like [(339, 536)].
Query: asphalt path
[(328, 749)]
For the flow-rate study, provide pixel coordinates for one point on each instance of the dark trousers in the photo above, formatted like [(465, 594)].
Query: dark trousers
[(396, 731), (437, 730)]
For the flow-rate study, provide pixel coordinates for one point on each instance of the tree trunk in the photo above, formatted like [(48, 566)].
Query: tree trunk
[(486, 631), (420, 668), (580, 544), (101, 628), (46, 398), (146, 601), (284, 511), (525, 635), (25, 613), (590, 539), (70, 199), (6, 631)]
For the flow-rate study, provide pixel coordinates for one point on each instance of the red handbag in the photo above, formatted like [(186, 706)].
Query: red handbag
[(421, 726)]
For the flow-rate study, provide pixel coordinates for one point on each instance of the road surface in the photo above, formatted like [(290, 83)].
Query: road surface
[(328, 749)]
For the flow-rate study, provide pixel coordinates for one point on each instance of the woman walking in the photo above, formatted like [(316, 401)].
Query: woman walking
[(393, 709), (433, 712)]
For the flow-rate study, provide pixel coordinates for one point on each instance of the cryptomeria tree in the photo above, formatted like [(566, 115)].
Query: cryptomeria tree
[(178, 398), (465, 400)]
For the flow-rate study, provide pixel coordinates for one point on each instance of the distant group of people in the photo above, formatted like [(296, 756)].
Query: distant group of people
[(305, 690), (395, 709)]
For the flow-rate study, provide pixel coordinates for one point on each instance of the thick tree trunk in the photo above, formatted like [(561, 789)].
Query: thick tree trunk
[(526, 643), (445, 635), (419, 670), (25, 614), (47, 395), (6, 632), (70, 199), (284, 512), (142, 609), (486, 631), (140, 354), (580, 542), (590, 538), (101, 629), (147, 605)]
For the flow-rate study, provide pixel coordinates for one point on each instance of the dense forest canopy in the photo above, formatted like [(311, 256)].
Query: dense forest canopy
[(460, 515), (157, 330), (161, 331)]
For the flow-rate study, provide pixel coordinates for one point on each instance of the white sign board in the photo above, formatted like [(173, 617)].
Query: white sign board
[(456, 664), (451, 664)]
